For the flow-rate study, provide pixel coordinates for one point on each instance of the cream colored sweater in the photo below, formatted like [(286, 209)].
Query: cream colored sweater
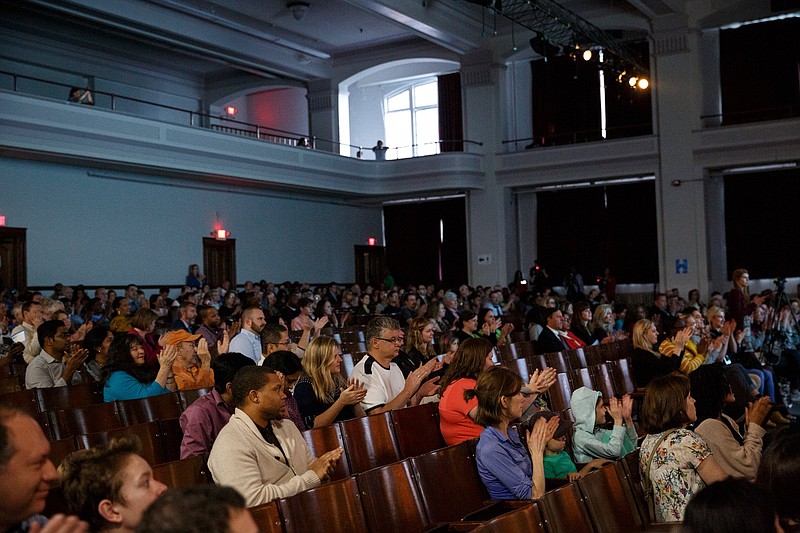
[(242, 459), (737, 460)]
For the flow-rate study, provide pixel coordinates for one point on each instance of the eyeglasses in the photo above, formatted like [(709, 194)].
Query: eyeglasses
[(287, 343), (396, 340)]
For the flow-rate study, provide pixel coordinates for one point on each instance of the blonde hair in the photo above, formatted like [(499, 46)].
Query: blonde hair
[(320, 354), (640, 331), (415, 337), (597, 320)]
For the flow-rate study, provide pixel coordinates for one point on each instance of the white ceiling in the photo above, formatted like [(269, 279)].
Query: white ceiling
[(262, 36)]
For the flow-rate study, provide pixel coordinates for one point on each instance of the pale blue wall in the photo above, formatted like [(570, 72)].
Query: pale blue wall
[(106, 227)]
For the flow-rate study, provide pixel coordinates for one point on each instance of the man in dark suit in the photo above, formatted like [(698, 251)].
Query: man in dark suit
[(187, 312), (549, 339)]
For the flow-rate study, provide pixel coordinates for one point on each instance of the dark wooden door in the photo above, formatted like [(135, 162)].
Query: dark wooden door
[(13, 259), (370, 264), (219, 261)]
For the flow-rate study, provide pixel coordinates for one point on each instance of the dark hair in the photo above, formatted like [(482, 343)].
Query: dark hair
[(709, 389), (482, 315), (304, 302), (209, 506), (468, 361), (26, 307), (271, 334), (283, 361), (93, 339), (493, 385), (778, 475), (120, 359), (247, 379), (48, 330), (729, 506), (91, 476), (225, 368), (664, 404), (464, 316)]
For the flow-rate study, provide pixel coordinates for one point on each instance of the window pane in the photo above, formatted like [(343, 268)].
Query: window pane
[(398, 132), (398, 101), (427, 131), (425, 95)]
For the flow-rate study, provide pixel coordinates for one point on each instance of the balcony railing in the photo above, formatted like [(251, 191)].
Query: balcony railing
[(223, 124)]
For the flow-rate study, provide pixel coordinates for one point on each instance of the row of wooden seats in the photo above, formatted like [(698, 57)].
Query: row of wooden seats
[(572, 359), (441, 491)]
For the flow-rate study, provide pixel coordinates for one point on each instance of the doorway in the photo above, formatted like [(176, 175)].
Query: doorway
[(219, 261), (13, 259), (370, 265)]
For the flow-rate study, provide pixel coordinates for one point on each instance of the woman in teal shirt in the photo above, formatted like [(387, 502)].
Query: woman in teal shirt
[(126, 376)]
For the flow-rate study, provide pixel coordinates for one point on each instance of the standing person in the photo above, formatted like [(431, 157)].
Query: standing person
[(194, 278), (110, 486), (675, 463), (258, 453), (26, 331), (508, 470), (27, 474), (739, 301), (248, 341), (380, 151)]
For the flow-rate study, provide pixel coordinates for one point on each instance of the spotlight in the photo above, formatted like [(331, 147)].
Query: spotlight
[(643, 83), (587, 55), (632, 81)]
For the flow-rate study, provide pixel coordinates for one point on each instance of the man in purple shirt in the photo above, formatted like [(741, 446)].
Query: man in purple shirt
[(202, 421)]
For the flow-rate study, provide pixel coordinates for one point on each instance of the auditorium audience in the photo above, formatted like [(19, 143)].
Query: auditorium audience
[(323, 395), (126, 376), (110, 486)]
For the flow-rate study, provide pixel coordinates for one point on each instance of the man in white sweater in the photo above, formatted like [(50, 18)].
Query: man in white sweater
[(258, 453)]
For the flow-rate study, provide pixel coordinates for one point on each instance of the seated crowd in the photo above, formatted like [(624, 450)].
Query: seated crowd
[(711, 390)]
